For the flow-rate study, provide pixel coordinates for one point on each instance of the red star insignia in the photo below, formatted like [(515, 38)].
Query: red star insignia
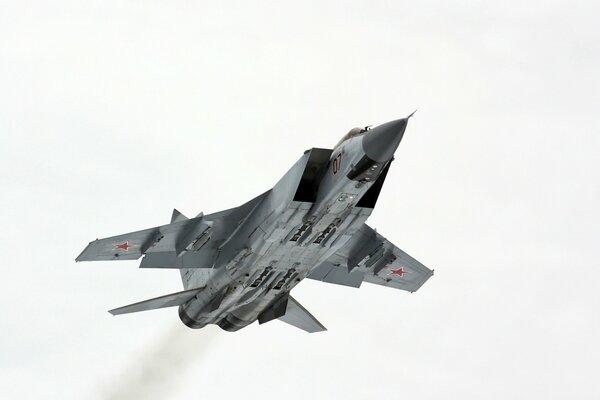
[(123, 246), (398, 272)]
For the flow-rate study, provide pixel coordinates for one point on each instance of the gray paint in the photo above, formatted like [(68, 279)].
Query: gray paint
[(381, 142), (239, 265)]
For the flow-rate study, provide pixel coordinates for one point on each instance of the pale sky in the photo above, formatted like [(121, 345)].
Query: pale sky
[(112, 113)]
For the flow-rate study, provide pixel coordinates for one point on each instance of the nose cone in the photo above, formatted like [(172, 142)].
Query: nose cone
[(381, 142)]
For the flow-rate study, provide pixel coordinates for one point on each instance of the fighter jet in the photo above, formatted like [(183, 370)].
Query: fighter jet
[(239, 265)]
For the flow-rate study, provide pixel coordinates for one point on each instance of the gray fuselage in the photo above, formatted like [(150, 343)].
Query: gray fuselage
[(284, 238)]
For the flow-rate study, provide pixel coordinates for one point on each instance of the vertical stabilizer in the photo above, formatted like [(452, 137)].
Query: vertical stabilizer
[(177, 216), (298, 316)]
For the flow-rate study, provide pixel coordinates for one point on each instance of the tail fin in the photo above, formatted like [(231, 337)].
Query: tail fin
[(288, 310), (169, 300), (298, 316), (177, 216)]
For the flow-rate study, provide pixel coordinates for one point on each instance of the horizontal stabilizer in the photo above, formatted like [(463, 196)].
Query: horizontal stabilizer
[(297, 316), (169, 300)]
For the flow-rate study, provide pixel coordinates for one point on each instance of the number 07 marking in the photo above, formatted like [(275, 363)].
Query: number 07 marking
[(337, 163)]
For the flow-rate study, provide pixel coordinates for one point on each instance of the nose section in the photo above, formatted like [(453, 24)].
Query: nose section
[(381, 142)]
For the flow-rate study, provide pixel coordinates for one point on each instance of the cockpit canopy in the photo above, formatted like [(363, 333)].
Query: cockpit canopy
[(353, 132)]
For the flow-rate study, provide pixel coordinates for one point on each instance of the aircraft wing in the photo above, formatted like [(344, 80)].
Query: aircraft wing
[(370, 257), (174, 245), (131, 246)]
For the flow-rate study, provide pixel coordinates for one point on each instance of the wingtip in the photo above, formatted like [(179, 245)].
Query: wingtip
[(116, 311), (81, 256)]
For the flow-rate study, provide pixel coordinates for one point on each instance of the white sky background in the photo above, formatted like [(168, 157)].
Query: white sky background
[(113, 113)]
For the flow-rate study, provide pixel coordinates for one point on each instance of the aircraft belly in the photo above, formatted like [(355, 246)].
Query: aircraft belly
[(280, 252), (239, 265), (287, 262)]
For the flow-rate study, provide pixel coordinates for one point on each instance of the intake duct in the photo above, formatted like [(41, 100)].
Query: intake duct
[(313, 173)]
